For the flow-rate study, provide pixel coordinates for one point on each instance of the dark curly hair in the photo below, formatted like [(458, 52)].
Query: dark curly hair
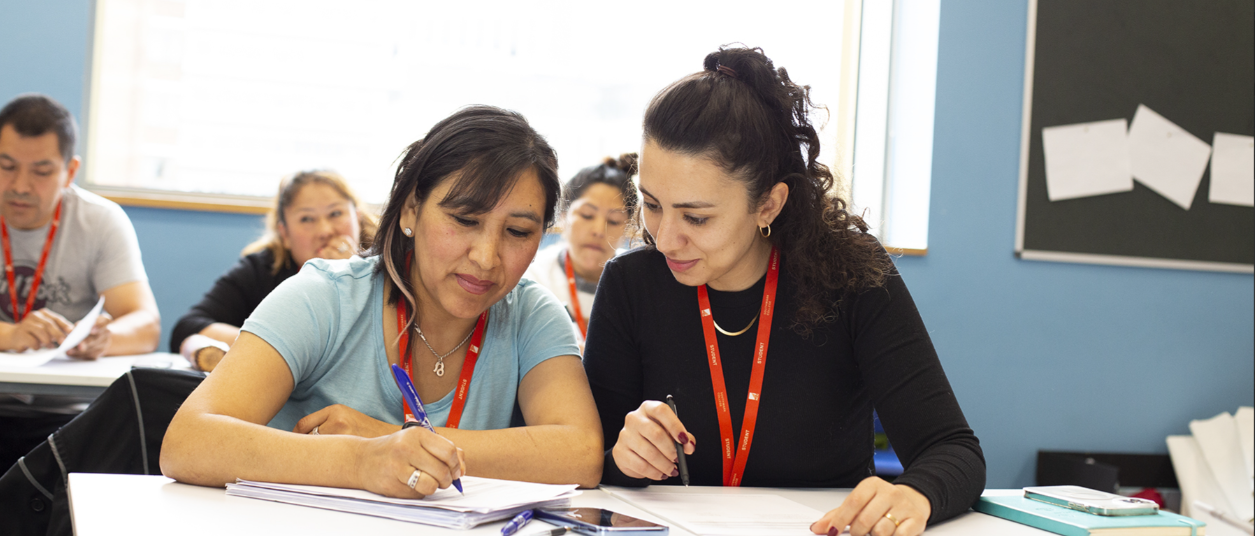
[(752, 120)]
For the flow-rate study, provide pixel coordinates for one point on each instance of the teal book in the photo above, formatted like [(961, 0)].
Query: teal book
[(1061, 520)]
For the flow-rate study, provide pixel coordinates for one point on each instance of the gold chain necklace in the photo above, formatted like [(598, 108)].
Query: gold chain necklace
[(721, 330)]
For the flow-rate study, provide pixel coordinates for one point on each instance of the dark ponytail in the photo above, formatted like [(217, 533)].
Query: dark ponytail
[(750, 118)]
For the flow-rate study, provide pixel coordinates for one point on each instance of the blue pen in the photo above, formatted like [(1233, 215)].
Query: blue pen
[(517, 523), (411, 396)]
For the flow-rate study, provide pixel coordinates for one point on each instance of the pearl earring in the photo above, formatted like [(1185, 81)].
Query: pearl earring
[(408, 231)]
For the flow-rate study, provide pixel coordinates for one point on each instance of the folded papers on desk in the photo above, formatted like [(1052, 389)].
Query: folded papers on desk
[(1061, 520), (486, 500)]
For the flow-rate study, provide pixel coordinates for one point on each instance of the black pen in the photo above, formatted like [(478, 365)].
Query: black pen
[(679, 449)]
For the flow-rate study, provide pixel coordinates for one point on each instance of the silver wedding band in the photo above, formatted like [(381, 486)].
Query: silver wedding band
[(413, 481), (314, 431), (343, 248)]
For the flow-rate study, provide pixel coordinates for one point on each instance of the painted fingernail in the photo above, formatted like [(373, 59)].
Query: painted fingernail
[(684, 438), (675, 472), (832, 531)]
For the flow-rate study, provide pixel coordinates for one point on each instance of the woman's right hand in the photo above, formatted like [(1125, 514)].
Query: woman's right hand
[(646, 445), (389, 461), (339, 247)]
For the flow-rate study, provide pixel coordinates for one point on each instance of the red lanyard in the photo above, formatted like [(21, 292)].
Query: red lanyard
[(734, 457), (575, 298), (39, 271), (468, 365)]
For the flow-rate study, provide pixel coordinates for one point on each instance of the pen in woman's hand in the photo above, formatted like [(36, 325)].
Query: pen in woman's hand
[(679, 447), (411, 397)]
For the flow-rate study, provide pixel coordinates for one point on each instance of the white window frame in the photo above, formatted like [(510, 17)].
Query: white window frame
[(891, 161)]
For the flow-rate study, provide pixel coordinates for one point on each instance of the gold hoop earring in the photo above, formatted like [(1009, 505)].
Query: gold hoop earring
[(408, 231), (766, 233)]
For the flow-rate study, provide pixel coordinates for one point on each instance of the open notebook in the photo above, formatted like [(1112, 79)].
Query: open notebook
[(486, 500)]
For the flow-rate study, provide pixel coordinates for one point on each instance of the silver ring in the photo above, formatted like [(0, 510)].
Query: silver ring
[(343, 248), (314, 431), (413, 481)]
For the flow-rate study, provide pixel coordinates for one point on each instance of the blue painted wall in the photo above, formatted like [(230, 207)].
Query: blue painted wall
[(1041, 355), (1050, 355)]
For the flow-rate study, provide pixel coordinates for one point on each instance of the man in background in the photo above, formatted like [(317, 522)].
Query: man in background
[(64, 248)]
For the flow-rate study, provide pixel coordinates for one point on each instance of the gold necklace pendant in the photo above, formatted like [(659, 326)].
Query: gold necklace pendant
[(721, 330)]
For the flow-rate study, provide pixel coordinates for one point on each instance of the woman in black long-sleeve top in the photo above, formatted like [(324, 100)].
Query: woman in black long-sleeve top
[(760, 296), (316, 215)]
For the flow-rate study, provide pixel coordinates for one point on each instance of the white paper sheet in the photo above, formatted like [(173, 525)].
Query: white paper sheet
[(1232, 170), (35, 358), (1197, 484), (726, 514), (1086, 159), (1165, 157), (1218, 442), (1245, 419)]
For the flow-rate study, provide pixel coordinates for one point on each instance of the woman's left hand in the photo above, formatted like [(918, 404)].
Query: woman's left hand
[(97, 341), (878, 508), (343, 420)]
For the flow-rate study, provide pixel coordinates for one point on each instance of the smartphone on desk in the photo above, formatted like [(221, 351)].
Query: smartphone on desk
[(1092, 501), (598, 521)]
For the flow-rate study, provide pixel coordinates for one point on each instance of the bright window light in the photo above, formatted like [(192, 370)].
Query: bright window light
[(228, 96)]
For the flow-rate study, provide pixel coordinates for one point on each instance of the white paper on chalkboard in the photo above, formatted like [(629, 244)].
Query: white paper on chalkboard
[(1086, 159), (1232, 170), (1165, 157)]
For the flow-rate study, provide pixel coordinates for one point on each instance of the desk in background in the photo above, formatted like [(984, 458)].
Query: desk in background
[(80, 378), (155, 505)]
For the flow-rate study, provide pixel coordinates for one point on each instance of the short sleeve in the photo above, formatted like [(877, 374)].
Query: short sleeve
[(118, 261), (544, 329), (300, 320)]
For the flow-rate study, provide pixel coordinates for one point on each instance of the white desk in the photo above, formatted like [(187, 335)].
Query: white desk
[(155, 505), (80, 378)]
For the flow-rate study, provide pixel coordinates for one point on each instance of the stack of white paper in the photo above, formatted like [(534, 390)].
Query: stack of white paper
[(1213, 466), (486, 500)]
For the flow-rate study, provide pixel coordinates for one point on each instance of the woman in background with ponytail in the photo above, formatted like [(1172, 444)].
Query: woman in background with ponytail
[(771, 315), (595, 206)]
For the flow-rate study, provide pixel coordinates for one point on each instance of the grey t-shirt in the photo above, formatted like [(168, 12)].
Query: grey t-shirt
[(95, 250)]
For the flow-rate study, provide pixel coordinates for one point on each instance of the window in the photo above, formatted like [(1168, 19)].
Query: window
[(897, 79), (218, 99)]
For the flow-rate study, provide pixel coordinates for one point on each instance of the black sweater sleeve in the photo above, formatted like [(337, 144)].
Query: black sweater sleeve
[(615, 373), (941, 455), (232, 297)]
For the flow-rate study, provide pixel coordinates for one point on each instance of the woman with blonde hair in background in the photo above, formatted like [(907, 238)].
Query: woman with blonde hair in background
[(315, 216)]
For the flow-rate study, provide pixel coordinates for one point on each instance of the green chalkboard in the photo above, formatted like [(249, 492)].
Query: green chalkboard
[(1193, 63)]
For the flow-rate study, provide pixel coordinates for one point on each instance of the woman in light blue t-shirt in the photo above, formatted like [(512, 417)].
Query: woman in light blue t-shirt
[(306, 394)]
